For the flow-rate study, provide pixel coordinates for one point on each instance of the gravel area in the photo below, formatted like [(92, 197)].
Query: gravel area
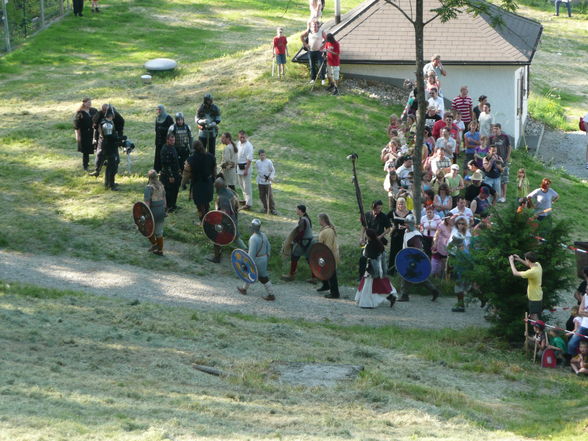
[(294, 300), (566, 150), (385, 93)]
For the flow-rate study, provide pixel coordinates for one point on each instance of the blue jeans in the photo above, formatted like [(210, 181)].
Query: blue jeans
[(316, 62), (568, 6), (495, 184), (575, 341)]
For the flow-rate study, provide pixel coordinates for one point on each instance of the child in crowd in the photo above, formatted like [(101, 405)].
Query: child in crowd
[(391, 151), (394, 125), (538, 338), (522, 183), (573, 323), (459, 123), (557, 343), (579, 363), (280, 50), (481, 151)]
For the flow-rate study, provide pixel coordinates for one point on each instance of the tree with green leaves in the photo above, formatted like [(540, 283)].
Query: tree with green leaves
[(488, 268), (445, 10)]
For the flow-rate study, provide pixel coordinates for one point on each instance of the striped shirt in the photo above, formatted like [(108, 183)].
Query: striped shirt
[(463, 106)]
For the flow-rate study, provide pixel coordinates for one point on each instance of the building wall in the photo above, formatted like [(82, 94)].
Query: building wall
[(499, 83)]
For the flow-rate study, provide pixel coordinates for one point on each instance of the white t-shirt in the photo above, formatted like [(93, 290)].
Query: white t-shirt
[(439, 104), (315, 40), (448, 145), (265, 168), (543, 200), (467, 213), (429, 226), (244, 154)]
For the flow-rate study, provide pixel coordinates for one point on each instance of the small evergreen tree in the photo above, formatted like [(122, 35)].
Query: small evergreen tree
[(487, 266)]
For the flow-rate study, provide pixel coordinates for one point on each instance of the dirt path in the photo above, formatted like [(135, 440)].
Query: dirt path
[(566, 150), (294, 300)]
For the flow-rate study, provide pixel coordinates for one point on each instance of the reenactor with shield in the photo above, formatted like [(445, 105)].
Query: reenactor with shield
[(221, 226), (259, 252)]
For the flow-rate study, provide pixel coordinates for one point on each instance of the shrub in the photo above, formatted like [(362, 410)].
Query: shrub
[(487, 265)]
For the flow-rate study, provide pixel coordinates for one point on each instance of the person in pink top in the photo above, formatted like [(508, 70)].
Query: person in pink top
[(280, 50), (439, 249)]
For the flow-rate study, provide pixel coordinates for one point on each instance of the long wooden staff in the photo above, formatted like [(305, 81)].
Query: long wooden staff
[(353, 157)]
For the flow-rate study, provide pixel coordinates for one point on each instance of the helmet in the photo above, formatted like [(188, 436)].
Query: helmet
[(208, 98), (179, 115), (255, 225), (410, 221)]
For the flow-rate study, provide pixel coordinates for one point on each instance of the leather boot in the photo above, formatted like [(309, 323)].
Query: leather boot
[(290, 277), (217, 255), (153, 241), (270, 292), (159, 250)]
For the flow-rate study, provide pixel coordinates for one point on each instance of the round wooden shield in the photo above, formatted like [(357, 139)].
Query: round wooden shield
[(413, 265), (322, 261), (244, 266), (219, 227), (144, 219)]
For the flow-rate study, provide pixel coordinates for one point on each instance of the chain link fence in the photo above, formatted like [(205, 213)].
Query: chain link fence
[(23, 18)]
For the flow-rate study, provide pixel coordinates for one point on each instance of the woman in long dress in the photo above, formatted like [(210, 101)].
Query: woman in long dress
[(374, 288), (154, 197), (397, 217)]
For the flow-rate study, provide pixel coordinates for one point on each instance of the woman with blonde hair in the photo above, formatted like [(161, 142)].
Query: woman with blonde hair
[(328, 236), (154, 197)]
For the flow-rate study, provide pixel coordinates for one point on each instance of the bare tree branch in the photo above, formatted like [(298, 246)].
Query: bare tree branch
[(430, 20), (390, 2)]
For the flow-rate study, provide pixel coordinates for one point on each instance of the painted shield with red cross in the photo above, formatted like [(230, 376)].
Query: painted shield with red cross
[(219, 227), (143, 218)]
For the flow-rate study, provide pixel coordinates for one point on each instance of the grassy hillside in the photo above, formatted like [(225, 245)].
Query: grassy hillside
[(77, 367), (558, 80)]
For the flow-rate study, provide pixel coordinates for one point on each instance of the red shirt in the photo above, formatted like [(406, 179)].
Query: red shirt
[(280, 44), (454, 132), (463, 106), (333, 59)]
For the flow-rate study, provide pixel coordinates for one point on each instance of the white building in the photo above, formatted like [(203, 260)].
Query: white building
[(377, 43)]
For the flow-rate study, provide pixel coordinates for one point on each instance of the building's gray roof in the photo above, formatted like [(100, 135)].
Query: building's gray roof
[(376, 33)]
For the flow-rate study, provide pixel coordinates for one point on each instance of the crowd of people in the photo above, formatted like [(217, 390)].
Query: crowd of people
[(465, 171)]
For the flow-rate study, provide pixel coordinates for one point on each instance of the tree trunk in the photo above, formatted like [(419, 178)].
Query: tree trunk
[(420, 121)]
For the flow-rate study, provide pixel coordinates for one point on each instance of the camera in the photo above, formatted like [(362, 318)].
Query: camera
[(127, 145)]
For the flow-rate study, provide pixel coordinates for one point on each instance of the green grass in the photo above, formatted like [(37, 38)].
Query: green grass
[(78, 367), (548, 108), (558, 92)]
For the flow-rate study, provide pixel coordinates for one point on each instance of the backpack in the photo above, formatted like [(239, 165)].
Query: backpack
[(548, 360), (582, 124)]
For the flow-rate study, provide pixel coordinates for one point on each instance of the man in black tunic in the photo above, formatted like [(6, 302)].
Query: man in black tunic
[(183, 135), (380, 223), (170, 172), (109, 148), (84, 129), (200, 170), (119, 126)]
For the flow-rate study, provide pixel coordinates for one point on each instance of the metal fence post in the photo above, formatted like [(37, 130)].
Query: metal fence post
[(42, 13), (6, 29)]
